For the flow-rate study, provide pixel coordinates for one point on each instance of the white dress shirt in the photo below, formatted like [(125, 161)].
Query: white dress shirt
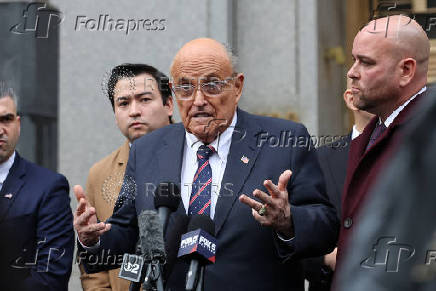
[(355, 133), (4, 169), (217, 161)]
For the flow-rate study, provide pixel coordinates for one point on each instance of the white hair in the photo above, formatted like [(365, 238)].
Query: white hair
[(6, 90), (230, 54)]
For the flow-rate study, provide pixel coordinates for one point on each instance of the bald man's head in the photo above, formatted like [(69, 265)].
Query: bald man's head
[(407, 37), (391, 63), (201, 47), (206, 87)]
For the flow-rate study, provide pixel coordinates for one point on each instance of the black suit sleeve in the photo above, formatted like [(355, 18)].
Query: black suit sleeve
[(314, 218)]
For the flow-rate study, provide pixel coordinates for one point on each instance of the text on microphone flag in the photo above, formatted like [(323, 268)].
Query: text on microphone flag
[(198, 242)]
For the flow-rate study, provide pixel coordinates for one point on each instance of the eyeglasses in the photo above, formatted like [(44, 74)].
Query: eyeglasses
[(211, 88)]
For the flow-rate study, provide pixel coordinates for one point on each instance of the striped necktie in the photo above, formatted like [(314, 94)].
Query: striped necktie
[(199, 202)]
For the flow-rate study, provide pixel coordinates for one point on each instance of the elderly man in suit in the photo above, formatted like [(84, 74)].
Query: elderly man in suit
[(141, 100), (389, 77), (284, 215), (36, 223)]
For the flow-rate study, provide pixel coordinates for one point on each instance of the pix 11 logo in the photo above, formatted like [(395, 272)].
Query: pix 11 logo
[(38, 19)]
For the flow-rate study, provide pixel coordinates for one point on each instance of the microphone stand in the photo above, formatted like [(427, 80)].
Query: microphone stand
[(136, 286), (153, 277), (200, 280), (195, 281)]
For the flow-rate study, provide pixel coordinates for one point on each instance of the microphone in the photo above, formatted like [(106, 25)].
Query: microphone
[(132, 269), (199, 246), (152, 253), (166, 200), (152, 248)]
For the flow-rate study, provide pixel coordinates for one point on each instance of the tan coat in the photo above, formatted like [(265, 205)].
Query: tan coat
[(102, 188)]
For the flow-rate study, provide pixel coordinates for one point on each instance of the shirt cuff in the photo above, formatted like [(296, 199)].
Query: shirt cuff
[(91, 249), (287, 241)]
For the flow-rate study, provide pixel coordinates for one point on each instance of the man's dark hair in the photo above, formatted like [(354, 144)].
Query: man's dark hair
[(132, 70)]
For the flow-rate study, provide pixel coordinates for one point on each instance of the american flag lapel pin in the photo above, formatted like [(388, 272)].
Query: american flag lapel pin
[(245, 160), (9, 196)]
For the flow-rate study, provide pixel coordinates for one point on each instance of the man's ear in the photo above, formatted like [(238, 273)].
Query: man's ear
[(407, 70), (239, 85), (169, 106), (348, 98), (19, 124)]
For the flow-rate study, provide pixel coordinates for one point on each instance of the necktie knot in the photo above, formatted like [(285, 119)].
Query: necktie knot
[(204, 152)]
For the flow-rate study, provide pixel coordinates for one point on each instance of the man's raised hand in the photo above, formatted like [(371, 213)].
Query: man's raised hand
[(85, 220), (273, 209)]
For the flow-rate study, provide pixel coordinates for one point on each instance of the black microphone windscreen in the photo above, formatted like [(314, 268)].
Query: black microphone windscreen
[(151, 236), (167, 194), (203, 222)]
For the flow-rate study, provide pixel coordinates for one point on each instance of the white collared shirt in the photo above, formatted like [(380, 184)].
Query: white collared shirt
[(4, 169), (355, 133), (217, 161), (397, 111)]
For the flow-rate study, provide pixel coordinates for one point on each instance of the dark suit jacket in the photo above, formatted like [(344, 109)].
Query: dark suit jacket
[(400, 212), (36, 223), (249, 256), (364, 167), (333, 159)]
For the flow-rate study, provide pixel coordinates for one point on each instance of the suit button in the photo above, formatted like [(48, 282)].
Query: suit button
[(348, 222)]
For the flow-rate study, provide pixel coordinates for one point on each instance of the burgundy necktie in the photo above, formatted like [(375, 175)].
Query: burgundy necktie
[(376, 133)]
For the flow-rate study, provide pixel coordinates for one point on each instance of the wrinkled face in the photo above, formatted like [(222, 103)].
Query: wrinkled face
[(9, 128), (203, 115), (138, 106), (375, 72)]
